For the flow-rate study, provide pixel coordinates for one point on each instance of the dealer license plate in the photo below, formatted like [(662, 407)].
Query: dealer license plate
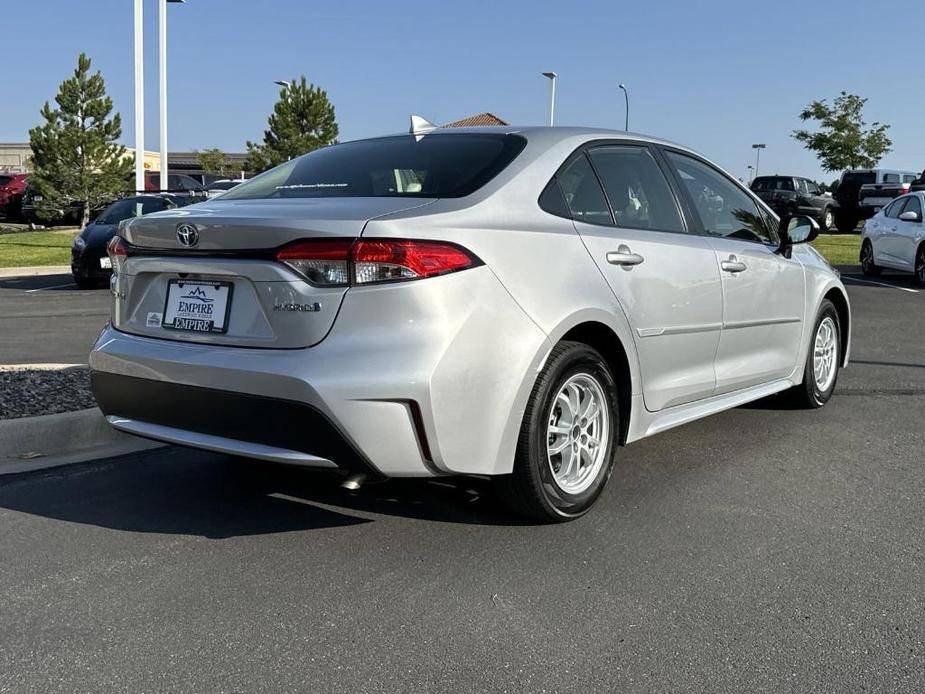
[(197, 306), (106, 263)]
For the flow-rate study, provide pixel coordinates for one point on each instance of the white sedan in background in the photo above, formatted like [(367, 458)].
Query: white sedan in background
[(894, 238)]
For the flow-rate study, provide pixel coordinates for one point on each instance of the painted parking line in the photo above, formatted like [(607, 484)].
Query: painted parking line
[(880, 284), (54, 286)]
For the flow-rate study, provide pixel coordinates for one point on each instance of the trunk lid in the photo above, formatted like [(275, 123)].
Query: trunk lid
[(251, 299)]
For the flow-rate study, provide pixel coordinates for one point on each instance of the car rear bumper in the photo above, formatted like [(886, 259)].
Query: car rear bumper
[(414, 379)]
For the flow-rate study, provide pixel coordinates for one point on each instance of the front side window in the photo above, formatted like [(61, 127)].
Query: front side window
[(724, 209), (890, 178), (914, 205), (894, 209), (637, 189), (434, 166), (909, 178), (583, 194)]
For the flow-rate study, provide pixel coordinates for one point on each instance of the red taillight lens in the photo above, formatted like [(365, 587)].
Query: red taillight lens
[(323, 263), (387, 260), (117, 250), (338, 262)]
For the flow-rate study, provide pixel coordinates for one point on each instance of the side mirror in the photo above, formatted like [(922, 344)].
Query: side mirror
[(796, 229), (910, 216)]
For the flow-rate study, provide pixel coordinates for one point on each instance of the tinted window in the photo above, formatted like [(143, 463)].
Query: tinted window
[(553, 201), (894, 209), (5, 179), (768, 183), (890, 178), (434, 166), (131, 207), (914, 205), (909, 178), (583, 193), (637, 189), (724, 208)]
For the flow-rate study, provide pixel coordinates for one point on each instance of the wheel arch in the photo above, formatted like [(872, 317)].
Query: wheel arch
[(603, 338), (840, 300)]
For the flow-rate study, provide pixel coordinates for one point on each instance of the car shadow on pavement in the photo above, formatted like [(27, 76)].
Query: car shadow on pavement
[(177, 491)]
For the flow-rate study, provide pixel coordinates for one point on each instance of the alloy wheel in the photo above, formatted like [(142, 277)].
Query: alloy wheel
[(578, 433), (825, 357)]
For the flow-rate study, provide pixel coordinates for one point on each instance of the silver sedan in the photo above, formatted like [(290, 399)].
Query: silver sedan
[(513, 302)]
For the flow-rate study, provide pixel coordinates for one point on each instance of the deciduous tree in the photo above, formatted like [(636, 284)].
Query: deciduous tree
[(841, 141)]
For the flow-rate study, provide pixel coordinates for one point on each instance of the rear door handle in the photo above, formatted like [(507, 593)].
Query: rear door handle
[(624, 256), (733, 265)]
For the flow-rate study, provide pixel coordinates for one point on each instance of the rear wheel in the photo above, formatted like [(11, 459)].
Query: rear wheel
[(568, 437), (822, 361), (86, 282), (920, 265), (828, 219), (868, 267)]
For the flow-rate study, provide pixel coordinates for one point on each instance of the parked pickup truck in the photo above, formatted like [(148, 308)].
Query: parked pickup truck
[(861, 193), (792, 195)]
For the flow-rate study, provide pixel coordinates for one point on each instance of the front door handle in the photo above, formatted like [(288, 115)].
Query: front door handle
[(733, 265), (624, 256)]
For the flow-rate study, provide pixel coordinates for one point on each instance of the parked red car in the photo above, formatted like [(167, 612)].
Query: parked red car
[(12, 186)]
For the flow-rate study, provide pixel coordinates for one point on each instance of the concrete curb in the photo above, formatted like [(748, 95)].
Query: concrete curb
[(35, 271), (36, 443)]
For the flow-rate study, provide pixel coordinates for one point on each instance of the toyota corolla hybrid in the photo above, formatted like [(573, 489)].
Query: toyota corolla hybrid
[(513, 302)]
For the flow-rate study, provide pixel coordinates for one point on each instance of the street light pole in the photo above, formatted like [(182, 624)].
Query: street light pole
[(139, 99), (162, 69), (162, 73), (552, 95), (749, 175), (758, 148), (626, 97)]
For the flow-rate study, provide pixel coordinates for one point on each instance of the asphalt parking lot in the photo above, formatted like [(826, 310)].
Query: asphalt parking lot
[(760, 550)]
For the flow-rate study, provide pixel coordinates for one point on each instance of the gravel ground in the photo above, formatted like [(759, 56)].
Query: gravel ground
[(26, 391)]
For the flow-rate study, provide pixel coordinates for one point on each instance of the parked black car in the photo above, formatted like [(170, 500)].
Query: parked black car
[(792, 195), (90, 265)]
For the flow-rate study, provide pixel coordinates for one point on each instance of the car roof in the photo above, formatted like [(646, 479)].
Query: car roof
[(549, 134)]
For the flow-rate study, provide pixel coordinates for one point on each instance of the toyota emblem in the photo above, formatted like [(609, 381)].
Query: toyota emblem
[(187, 235)]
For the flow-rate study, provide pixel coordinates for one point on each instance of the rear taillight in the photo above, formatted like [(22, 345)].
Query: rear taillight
[(341, 262), (323, 263), (118, 251)]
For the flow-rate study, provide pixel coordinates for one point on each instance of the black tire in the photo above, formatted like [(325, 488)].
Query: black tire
[(532, 490), (86, 282), (919, 267), (868, 267), (827, 220), (808, 394), (846, 222)]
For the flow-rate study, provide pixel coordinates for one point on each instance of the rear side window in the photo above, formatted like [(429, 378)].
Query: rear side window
[(583, 194), (909, 178), (637, 189), (434, 166)]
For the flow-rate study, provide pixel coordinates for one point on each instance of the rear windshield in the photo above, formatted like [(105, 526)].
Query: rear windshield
[(772, 183), (5, 179), (859, 178), (132, 207), (434, 166)]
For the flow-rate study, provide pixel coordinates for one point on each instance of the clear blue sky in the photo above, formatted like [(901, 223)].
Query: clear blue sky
[(717, 75)]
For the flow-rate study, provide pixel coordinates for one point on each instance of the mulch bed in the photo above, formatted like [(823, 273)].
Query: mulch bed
[(27, 391)]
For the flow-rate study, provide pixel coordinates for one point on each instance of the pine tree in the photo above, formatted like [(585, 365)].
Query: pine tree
[(302, 121), (75, 156)]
